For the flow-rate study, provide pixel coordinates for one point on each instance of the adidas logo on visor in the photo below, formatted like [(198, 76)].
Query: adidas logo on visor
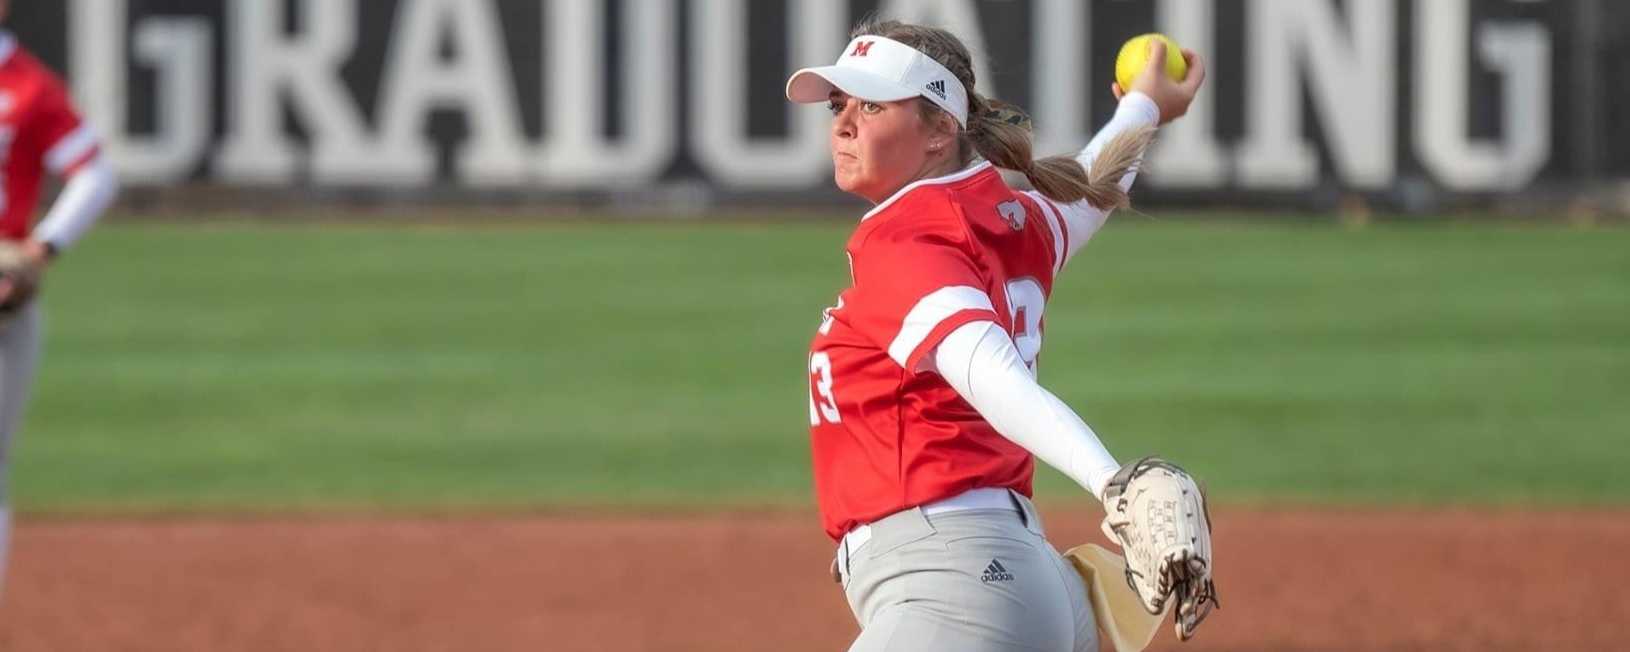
[(937, 87)]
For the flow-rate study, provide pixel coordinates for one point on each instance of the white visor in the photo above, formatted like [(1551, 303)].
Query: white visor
[(877, 69)]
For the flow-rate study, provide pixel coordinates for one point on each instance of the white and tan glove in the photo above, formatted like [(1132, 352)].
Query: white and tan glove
[(1157, 512)]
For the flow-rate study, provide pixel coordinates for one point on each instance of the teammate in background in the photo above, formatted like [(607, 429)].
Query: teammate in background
[(39, 132), (924, 408)]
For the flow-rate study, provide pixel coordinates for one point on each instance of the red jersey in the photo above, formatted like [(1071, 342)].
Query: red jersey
[(939, 254), (39, 131)]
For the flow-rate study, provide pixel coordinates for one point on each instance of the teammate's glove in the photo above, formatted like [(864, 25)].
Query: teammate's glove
[(1158, 514), (19, 274)]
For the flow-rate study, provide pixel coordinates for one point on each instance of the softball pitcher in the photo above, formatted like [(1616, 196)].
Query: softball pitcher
[(924, 409), (39, 132)]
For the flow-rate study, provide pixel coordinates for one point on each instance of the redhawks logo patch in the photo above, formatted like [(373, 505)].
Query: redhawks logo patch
[(1012, 212), (861, 48)]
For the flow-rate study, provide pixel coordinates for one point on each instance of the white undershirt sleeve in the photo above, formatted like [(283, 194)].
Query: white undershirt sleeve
[(1081, 219), (979, 361), (83, 199)]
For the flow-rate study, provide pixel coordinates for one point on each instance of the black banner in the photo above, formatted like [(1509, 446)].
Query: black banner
[(1405, 102)]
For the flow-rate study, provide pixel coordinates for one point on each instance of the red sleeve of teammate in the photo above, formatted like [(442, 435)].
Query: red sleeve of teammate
[(915, 282), (66, 142)]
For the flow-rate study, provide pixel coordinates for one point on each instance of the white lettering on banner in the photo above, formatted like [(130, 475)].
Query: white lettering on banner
[(719, 95), (1350, 76), (1522, 56), (476, 80), (1059, 83), (1187, 154), (269, 67), (959, 16), (575, 151), (178, 50), (1343, 52)]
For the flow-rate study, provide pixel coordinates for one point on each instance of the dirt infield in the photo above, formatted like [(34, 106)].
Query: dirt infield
[(1289, 580)]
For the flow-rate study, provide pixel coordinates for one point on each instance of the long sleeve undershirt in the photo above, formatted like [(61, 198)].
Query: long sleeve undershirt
[(980, 361), (82, 201)]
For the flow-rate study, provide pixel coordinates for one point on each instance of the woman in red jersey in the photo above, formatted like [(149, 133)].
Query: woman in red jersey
[(924, 409), (41, 135)]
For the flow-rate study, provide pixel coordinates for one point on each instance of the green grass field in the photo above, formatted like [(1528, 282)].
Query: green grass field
[(195, 367)]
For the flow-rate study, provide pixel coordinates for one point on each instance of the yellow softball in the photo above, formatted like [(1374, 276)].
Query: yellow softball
[(1135, 55)]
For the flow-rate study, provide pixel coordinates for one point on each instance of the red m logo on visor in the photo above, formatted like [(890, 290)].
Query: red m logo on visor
[(861, 49)]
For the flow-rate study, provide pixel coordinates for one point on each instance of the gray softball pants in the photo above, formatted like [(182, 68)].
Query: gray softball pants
[(982, 579), (19, 352)]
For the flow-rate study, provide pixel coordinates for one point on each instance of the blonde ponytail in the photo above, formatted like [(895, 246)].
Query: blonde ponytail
[(1000, 132)]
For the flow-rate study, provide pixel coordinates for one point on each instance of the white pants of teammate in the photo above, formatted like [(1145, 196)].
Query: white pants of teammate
[(19, 352), (979, 579)]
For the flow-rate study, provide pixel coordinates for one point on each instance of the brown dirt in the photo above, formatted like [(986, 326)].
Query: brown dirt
[(1290, 580)]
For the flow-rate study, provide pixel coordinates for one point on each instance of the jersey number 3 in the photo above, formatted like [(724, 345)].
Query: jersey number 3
[(821, 402)]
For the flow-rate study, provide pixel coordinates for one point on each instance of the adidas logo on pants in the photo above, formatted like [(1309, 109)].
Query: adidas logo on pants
[(995, 573)]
